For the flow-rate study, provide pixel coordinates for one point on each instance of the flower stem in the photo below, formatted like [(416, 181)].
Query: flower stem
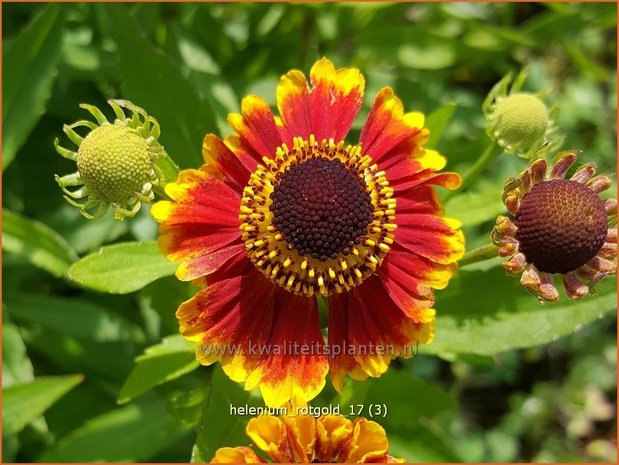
[(491, 152), (485, 252)]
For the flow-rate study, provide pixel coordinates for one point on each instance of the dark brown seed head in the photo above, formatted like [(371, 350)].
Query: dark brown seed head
[(561, 224)]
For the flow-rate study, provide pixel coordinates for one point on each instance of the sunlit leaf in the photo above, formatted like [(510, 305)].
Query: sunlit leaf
[(122, 268), (160, 363), (486, 312)]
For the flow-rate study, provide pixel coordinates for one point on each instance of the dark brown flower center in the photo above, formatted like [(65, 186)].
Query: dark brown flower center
[(561, 224), (321, 207)]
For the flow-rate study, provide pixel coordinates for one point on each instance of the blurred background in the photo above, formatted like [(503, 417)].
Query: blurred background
[(506, 379)]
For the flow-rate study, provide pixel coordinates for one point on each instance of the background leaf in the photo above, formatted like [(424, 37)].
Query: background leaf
[(173, 357), (27, 83), (122, 268), (485, 312), (36, 242), (130, 434), (23, 403), (153, 81)]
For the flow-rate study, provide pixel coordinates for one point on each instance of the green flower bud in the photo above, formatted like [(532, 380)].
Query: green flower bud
[(117, 163), (520, 123)]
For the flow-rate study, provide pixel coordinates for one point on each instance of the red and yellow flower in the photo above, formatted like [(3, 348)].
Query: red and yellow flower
[(284, 213), (305, 439)]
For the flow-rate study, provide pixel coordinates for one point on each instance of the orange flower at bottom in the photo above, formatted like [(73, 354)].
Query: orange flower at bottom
[(305, 439)]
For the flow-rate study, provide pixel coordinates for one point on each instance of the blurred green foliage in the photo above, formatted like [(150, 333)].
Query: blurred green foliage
[(505, 380)]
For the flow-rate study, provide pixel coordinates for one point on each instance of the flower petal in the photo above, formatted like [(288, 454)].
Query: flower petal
[(257, 133), (438, 239), (270, 435), (236, 455), (226, 318), (328, 108), (332, 433), (368, 442), (221, 160), (387, 126), (200, 229), (291, 367), (340, 361), (301, 431), (370, 336)]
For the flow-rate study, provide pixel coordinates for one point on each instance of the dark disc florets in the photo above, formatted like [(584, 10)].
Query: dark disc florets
[(562, 224), (321, 207)]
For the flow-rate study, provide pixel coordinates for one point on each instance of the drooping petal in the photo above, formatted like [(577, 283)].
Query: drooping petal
[(291, 367), (438, 239), (340, 361), (374, 337), (257, 133), (327, 108), (227, 318)]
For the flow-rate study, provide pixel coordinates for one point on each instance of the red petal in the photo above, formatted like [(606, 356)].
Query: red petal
[(220, 159), (297, 372), (257, 132), (387, 127), (328, 109), (438, 239)]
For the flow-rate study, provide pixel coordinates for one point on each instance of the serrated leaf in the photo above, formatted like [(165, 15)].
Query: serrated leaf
[(29, 72), (25, 402), (487, 312), (437, 121), (132, 433), (122, 268), (160, 363), (155, 82), (36, 242)]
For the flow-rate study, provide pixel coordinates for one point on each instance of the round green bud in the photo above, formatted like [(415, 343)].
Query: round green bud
[(519, 121), (113, 163)]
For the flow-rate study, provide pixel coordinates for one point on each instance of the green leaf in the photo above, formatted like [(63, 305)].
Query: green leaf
[(16, 366), (122, 268), (36, 242), (437, 121), (155, 82), (132, 433), (75, 317), (29, 73), (160, 363), (403, 398), (219, 427), (487, 312), (23, 403), (187, 406)]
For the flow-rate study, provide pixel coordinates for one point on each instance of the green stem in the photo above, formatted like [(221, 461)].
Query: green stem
[(491, 152), (485, 252)]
